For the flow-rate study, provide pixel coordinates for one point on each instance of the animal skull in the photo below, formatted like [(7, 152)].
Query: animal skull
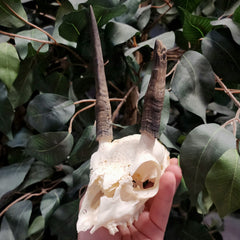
[(125, 172)]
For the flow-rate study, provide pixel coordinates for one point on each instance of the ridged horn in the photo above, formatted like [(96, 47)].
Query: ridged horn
[(103, 107), (153, 100)]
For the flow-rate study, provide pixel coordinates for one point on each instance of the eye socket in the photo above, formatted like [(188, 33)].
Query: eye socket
[(145, 176)]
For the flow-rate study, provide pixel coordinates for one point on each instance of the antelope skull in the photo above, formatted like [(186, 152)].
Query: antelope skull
[(125, 172)]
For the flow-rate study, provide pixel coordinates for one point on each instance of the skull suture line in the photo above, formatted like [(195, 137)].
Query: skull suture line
[(125, 172)]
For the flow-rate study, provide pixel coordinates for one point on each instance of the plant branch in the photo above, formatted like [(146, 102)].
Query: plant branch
[(116, 112), (24, 37), (79, 111), (227, 91), (30, 24)]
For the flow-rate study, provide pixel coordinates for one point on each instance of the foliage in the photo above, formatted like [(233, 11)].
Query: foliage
[(47, 90)]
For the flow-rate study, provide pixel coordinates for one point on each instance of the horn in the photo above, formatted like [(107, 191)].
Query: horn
[(153, 100), (103, 107)]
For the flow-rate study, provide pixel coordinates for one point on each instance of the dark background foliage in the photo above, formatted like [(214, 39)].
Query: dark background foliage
[(47, 132)]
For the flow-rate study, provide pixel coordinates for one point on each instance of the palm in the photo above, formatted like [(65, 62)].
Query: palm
[(153, 220)]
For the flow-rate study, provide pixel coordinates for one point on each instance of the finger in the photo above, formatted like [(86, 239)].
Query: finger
[(174, 161), (125, 232), (148, 228), (176, 170), (136, 235), (161, 205), (100, 234)]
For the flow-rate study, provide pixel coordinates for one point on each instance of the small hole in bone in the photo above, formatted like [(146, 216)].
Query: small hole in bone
[(148, 184), (84, 211)]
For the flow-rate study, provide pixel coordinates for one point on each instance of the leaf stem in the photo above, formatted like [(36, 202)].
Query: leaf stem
[(227, 91)]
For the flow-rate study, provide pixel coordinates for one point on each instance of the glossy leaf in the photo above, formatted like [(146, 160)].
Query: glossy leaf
[(188, 5), (195, 27), (233, 27), (167, 39), (20, 139), (63, 221), (222, 52), (37, 225), (9, 64), (73, 24), (6, 112), (50, 147), (118, 33), (21, 90), (236, 15), (104, 14), (13, 175), (18, 217), (193, 83), (63, 10), (76, 3), (38, 172), (5, 230), (22, 44), (84, 147), (80, 177), (200, 150), (7, 18), (49, 112), (50, 202), (223, 182)]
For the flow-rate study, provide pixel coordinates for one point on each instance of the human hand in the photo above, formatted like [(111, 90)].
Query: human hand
[(152, 222)]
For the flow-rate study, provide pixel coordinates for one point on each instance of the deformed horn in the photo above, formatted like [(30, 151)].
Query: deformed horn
[(153, 100), (103, 107)]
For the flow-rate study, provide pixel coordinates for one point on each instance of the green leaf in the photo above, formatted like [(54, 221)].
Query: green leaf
[(201, 149), (81, 176), (22, 44), (76, 3), (50, 147), (223, 182), (13, 175), (63, 221), (236, 15), (104, 14), (50, 202), (56, 83), (49, 112), (72, 25), (6, 112), (130, 16), (195, 231), (7, 18), (84, 147), (233, 27), (9, 64), (20, 139), (168, 40), (118, 33), (190, 6), (193, 83), (37, 225), (39, 171), (63, 10), (222, 53), (5, 230), (143, 16), (18, 217), (195, 27)]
